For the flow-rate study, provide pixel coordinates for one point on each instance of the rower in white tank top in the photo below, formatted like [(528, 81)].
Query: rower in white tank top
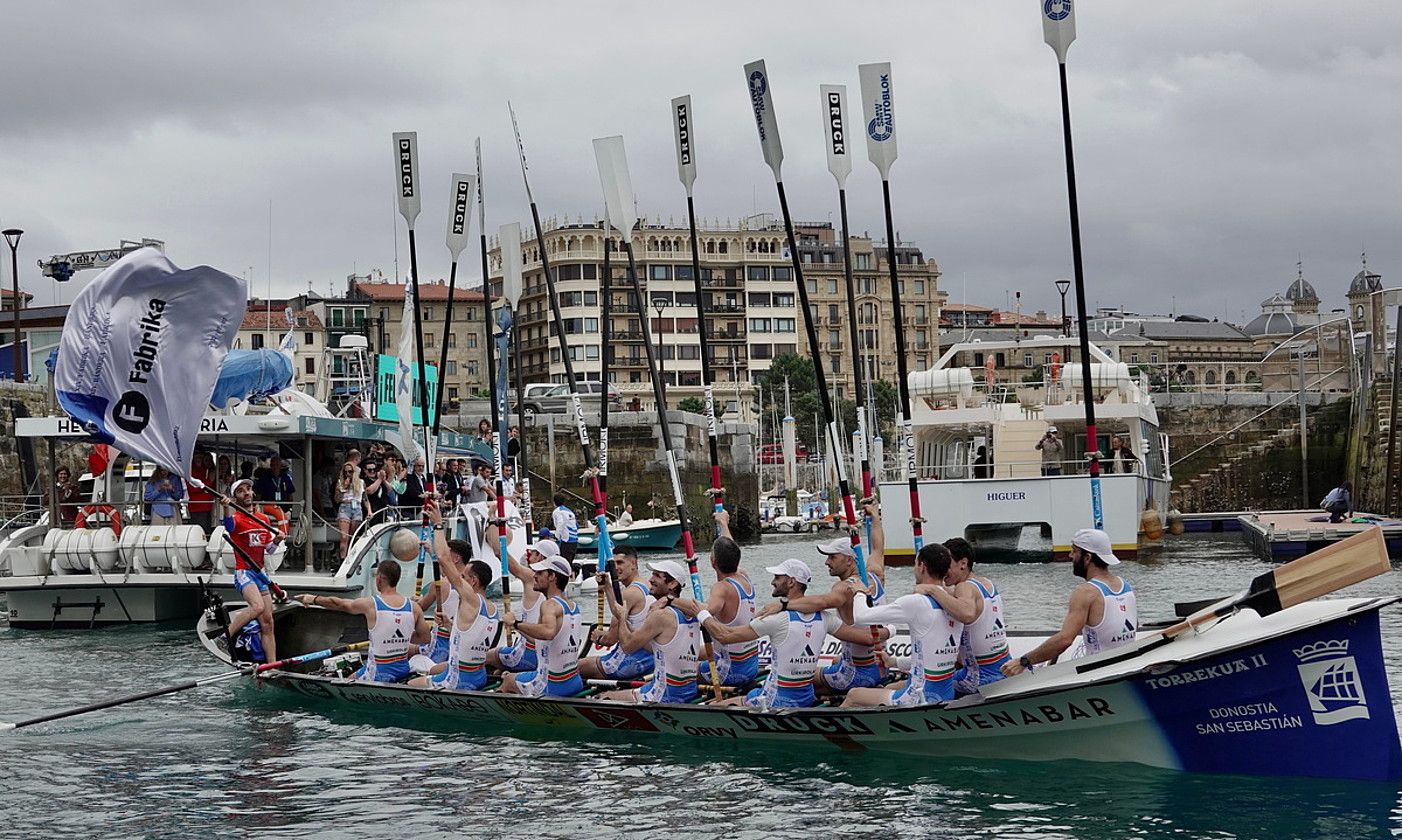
[(388, 659), (1118, 622)]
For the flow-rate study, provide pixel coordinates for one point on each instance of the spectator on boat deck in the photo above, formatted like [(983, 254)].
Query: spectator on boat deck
[(1103, 610), (351, 507), (983, 463), (416, 484), (1122, 458), (224, 474), (508, 481), (202, 501), (480, 487), (377, 452), (65, 494), (1339, 502), (1051, 448), (394, 477), (353, 457), (626, 517), (513, 443), (565, 526), (451, 484), (246, 471), (164, 492), (377, 492), (275, 485), (484, 431)]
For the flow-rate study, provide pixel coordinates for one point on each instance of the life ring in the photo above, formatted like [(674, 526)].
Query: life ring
[(278, 517), (113, 517)]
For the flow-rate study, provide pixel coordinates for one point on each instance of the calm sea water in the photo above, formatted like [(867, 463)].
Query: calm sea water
[(231, 761)]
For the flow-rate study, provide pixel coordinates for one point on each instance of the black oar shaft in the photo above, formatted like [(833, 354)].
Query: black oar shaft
[(443, 352), (902, 376), (121, 701), (707, 380), (854, 336), (1088, 393)]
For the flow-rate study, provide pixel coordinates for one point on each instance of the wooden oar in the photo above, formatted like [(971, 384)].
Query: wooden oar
[(185, 686), (1346, 562)]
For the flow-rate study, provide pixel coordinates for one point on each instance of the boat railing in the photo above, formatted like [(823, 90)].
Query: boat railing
[(1023, 467)]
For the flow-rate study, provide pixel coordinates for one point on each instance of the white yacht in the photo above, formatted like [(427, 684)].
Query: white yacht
[(118, 570), (957, 406)]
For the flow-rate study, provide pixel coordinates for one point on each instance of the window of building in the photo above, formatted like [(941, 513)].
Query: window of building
[(761, 351), (920, 287), (784, 299), (688, 352), (760, 298), (453, 393), (1027, 360), (784, 324), (428, 339), (835, 361), (428, 313), (338, 318), (781, 349), (472, 368), (358, 317), (452, 340), (450, 369), (309, 339), (660, 272), (812, 286), (781, 272), (1153, 357), (1134, 358), (832, 312), (311, 366), (832, 287), (834, 339), (472, 340), (761, 325), (978, 360), (256, 342), (757, 272), (1001, 360)]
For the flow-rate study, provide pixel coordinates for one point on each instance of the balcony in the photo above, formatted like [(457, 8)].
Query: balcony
[(726, 307)]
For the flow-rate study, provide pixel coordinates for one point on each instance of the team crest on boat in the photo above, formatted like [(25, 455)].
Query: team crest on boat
[(1331, 681)]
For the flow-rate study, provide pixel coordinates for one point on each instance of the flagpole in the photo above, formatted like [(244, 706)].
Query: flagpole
[(761, 99), (590, 470), (686, 171), (459, 221), (1059, 30), (834, 104), (406, 148), (878, 115), (618, 195)]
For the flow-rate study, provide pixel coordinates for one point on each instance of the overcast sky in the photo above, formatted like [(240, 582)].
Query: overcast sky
[(1216, 143)]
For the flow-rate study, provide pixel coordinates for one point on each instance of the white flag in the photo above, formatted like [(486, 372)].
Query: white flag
[(141, 350), (404, 380)]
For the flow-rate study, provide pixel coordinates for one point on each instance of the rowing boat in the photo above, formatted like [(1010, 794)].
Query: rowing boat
[(1300, 692)]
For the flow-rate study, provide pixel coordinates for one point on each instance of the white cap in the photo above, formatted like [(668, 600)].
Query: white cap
[(841, 545), (1097, 543), (237, 484), (1052, 429), (670, 568), (552, 564), (796, 569), (545, 548)]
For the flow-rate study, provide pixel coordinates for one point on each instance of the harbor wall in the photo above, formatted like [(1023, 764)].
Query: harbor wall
[(19, 469), (1257, 466), (637, 468)]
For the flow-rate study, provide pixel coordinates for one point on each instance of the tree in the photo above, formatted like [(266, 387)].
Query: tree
[(696, 405)]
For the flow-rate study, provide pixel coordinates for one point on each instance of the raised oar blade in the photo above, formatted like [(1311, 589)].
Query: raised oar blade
[(460, 217), (1346, 562), (521, 151), (834, 101), (1334, 567), (1058, 26), (509, 241), (406, 165), (617, 183), (681, 125), (879, 115), (762, 102)]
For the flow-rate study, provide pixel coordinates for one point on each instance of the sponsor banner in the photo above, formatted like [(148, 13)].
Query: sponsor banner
[(1324, 690), (387, 374), (140, 352)]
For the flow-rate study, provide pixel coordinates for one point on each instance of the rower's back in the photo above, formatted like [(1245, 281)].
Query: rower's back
[(1113, 620)]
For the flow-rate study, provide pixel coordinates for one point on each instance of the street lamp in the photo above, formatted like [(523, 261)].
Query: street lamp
[(660, 303), (12, 236), (1064, 286)]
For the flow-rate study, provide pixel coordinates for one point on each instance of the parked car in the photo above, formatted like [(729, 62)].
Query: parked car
[(556, 400), (773, 453)]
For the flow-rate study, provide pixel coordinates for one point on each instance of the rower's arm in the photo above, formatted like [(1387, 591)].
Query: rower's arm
[(831, 600), (876, 552), (1077, 614), (722, 518), (859, 635), (633, 641), (548, 627), (719, 597), (963, 603), (422, 632), (357, 606), (520, 571), (892, 613), (719, 632)]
